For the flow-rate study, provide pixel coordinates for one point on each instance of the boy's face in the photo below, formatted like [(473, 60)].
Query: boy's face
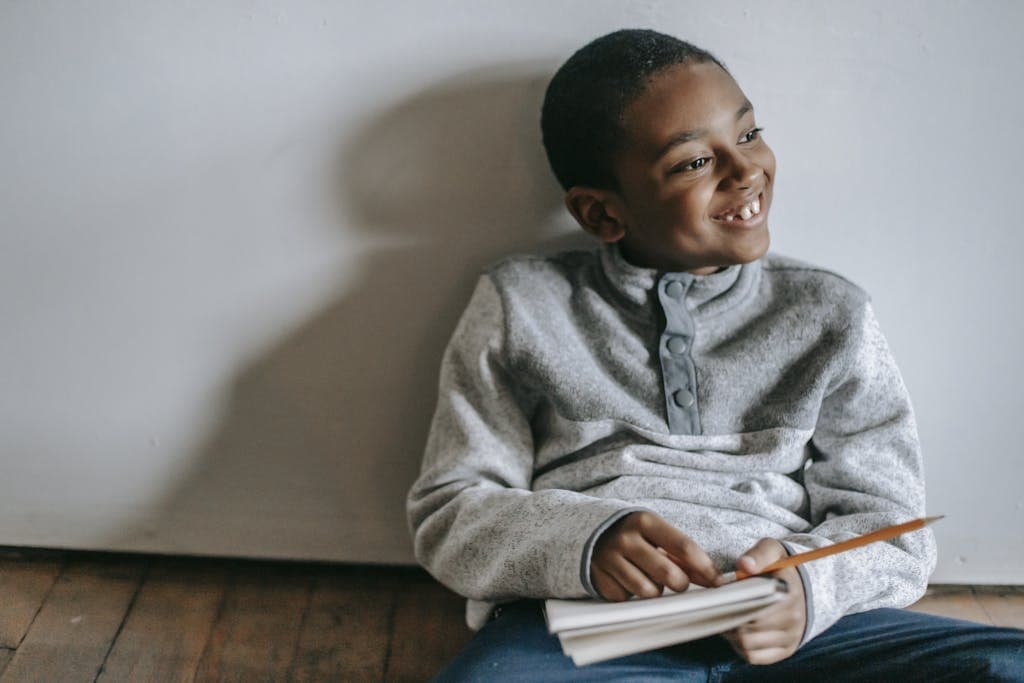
[(695, 176)]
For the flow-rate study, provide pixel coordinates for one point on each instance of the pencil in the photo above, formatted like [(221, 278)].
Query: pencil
[(793, 560)]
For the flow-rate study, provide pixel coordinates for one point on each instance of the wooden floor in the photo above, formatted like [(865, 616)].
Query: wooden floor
[(96, 617), (68, 616)]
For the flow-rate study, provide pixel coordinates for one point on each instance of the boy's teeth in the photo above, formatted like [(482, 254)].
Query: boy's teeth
[(751, 209)]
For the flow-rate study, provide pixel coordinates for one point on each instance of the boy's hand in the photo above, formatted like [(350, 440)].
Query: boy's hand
[(632, 557), (775, 634)]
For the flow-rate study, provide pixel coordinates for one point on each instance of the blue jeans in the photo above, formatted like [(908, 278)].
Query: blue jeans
[(880, 645)]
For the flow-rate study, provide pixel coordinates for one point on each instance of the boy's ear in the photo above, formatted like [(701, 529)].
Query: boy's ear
[(597, 211)]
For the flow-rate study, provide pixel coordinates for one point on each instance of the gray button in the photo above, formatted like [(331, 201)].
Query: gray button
[(677, 345), (683, 398), (675, 289)]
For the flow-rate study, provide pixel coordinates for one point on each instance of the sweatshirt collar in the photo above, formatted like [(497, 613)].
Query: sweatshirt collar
[(706, 295)]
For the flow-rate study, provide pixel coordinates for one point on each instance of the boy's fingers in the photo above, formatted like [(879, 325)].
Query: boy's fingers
[(764, 552), (631, 577), (754, 639), (767, 656), (660, 568), (607, 587), (644, 553), (759, 648), (689, 556)]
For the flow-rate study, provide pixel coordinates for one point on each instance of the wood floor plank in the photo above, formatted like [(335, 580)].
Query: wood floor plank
[(429, 629), (957, 602), (23, 586), (255, 635), (73, 632), (1004, 604), (170, 622), (347, 627)]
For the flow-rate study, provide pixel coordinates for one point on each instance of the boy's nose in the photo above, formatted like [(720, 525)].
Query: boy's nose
[(743, 171)]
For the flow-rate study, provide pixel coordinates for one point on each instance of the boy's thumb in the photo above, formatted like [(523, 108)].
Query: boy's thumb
[(764, 552)]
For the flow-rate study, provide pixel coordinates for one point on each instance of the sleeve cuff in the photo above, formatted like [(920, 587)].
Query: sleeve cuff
[(808, 596)]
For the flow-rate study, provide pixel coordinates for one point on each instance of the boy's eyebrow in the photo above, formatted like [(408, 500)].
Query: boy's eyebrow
[(690, 135)]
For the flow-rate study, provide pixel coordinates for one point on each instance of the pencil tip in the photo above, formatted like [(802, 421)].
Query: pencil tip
[(929, 520)]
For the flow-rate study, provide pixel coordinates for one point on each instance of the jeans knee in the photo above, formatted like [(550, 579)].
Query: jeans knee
[(1001, 659)]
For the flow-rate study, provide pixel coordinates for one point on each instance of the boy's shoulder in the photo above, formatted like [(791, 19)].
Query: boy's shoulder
[(542, 271), (800, 276)]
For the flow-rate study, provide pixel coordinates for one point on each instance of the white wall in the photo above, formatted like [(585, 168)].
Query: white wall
[(234, 237)]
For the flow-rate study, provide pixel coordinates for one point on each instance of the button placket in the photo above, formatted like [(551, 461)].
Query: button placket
[(677, 345), (678, 372)]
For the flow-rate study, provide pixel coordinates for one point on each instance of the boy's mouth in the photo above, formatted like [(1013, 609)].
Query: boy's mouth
[(742, 212)]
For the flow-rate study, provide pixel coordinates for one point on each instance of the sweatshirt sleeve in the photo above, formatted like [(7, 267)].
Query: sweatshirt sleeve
[(865, 473), (477, 526)]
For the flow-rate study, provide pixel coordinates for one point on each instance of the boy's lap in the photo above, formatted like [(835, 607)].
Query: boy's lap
[(896, 644), (516, 646), (882, 644)]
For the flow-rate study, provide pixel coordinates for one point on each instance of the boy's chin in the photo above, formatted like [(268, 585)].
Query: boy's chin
[(744, 254), (735, 254), (754, 251), (740, 249)]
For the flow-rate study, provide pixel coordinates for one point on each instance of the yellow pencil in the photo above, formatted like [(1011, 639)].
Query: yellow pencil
[(793, 560)]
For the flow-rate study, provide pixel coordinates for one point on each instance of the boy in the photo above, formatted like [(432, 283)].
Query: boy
[(678, 392)]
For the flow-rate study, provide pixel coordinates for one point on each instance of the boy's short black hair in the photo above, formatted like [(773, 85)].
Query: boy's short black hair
[(581, 118)]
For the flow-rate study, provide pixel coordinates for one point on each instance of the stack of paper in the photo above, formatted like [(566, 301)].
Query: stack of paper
[(593, 630)]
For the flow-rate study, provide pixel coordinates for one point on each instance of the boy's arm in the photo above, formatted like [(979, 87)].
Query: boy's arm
[(865, 473), (477, 526)]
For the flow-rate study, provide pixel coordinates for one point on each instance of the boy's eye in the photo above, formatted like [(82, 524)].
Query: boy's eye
[(694, 165), (751, 135)]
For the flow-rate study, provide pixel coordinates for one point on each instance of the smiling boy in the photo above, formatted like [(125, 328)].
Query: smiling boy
[(678, 391), (669, 209)]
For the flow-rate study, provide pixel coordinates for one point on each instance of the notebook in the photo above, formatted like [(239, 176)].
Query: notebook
[(594, 630)]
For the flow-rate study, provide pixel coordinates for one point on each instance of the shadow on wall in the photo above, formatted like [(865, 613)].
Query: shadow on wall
[(322, 436)]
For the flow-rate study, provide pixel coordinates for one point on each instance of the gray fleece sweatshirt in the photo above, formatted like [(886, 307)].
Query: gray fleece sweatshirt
[(759, 401)]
